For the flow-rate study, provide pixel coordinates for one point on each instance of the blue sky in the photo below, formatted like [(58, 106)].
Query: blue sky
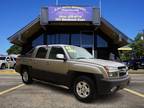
[(126, 15)]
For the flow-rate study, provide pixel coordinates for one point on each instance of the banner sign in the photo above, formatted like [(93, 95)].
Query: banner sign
[(70, 13)]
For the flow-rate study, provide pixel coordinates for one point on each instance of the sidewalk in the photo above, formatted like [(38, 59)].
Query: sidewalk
[(8, 71), (139, 71)]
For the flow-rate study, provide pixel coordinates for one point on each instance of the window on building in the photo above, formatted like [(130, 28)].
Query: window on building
[(58, 38), (75, 39), (51, 39), (64, 38), (41, 53), (87, 39), (101, 42), (38, 41), (54, 51)]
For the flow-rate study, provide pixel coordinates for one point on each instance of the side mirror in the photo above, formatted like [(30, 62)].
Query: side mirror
[(60, 56)]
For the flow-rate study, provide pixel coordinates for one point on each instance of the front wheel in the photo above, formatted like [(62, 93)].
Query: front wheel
[(3, 66), (84, 89), (26, 78)]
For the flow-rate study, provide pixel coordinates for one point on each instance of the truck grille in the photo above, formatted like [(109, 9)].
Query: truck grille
[(122, 74), (122, 71)]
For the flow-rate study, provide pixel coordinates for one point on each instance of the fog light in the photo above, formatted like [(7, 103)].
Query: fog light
[(113, 89)]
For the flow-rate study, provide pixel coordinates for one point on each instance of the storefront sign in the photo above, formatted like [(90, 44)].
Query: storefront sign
[(70, 13)]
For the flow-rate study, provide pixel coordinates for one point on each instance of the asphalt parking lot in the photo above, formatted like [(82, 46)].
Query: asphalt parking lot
[(14, 94)]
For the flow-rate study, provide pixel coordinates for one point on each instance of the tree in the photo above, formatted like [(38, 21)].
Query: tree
[(125, 55), (137, 49), (138, 36), (138, 45), (14, 49)]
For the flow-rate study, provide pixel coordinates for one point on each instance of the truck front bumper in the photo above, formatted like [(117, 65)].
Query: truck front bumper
[(108, 86)]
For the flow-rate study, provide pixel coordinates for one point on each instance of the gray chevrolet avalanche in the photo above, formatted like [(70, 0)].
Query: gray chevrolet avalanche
[(73, 67)]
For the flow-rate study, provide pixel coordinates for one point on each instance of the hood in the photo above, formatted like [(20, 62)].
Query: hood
[(102, 62)]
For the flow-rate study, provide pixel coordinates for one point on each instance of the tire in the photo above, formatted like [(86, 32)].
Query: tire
[(26, 78), (3, 66), (14, 66), (84, 89)]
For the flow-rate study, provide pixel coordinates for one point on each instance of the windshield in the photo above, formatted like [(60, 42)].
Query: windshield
[(78, 52)]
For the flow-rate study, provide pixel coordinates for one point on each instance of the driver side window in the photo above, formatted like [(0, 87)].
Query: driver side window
[(54, 51)]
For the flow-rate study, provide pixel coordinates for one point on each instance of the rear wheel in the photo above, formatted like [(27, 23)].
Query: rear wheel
[(84, 89), (26, 78)]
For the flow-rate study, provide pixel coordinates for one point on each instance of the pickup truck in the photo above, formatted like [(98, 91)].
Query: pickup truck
[(73, 67)]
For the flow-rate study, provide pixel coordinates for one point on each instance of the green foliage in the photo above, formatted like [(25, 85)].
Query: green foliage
[(138, 46), (138, 49), (14, 49), (125, 56), (138, 37)]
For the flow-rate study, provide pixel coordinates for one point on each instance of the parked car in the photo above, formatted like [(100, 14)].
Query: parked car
[(142, 63), (7, 62), (73, 67), (135, 64)]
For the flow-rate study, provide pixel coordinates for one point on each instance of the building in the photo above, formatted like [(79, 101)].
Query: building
[(74, 25)]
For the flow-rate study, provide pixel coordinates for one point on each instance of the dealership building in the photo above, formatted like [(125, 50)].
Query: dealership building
[(74, 25)]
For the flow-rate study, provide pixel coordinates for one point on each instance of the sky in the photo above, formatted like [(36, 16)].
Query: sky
[(126, 15)]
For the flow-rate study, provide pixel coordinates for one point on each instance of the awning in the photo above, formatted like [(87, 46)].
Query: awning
[(125, 48)]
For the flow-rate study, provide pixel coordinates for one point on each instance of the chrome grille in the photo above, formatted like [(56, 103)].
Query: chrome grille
[(122, 71), (122, 74)]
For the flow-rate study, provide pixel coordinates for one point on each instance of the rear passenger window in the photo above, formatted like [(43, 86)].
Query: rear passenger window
[(41, 53), (54, 51)]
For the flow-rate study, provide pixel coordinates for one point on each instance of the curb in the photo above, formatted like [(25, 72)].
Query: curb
[(8, 71), (136, 71)]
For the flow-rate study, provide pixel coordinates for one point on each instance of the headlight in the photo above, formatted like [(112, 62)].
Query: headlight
[(111, 69), (113, 74)]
